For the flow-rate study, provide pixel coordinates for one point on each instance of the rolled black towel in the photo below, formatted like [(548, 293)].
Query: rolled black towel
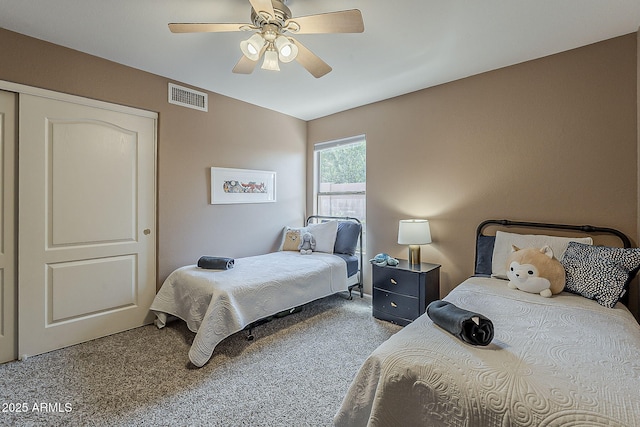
[(470, 327), (215, 263)]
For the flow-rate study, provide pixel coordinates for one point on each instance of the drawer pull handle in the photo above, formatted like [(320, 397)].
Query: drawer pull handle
[(393, 281), (393, 304)]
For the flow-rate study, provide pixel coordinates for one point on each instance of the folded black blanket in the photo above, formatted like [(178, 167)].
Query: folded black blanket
[(470, 327), (215, 263)]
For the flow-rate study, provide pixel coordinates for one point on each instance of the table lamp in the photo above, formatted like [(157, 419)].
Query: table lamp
[(414, 232)]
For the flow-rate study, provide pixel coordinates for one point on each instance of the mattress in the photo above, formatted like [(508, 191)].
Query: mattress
[(218, 303), (557, 361)]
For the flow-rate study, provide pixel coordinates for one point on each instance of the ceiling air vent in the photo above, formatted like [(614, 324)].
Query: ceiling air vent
[(188, 97)]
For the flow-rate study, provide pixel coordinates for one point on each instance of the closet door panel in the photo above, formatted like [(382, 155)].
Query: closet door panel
[(87, 222)]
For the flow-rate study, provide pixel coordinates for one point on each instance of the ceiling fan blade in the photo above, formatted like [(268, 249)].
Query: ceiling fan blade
[(346, 21), (311, 61), (245, 66), (205, 28), (263, 6)]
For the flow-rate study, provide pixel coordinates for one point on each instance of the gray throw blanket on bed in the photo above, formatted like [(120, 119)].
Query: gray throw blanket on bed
[(215, 263), (470, 327)]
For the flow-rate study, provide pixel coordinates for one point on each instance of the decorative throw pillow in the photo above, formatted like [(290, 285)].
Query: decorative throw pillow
[(504, 241), (600, 273), (347, 237), (325, 234), (291, 239)]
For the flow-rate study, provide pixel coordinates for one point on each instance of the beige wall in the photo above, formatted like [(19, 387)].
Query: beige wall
[(554, 139), (551, 140), (189, 142)]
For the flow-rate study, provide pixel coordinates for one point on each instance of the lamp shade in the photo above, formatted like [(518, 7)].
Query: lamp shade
[(251, 48), (414, 232), (270, 60), (287, 51)]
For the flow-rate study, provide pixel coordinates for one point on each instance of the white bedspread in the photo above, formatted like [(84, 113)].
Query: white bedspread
[(216, 304), (553, 362)]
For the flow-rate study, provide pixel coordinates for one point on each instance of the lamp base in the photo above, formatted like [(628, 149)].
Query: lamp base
[(414, 255)]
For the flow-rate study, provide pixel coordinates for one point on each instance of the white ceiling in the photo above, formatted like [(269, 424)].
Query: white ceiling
[(407, 44)]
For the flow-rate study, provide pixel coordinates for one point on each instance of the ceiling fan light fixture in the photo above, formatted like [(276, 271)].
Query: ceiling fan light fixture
[(287, 51), (272, 20), (271, 60), (251, 47)]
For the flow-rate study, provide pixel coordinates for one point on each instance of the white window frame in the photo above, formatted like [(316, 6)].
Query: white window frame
[(316, 165)]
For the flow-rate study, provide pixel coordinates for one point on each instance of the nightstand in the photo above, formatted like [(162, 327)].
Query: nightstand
[(402, 293)]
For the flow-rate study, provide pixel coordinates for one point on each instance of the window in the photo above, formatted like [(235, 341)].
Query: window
[(340, 184)]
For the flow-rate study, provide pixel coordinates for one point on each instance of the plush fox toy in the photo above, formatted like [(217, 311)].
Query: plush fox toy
[(535, 270)]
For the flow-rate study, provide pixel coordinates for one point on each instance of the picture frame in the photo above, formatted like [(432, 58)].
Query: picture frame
[(230, 185)]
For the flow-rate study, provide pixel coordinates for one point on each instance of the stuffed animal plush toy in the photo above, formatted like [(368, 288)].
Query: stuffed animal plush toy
[(307, 243), (384, 259), (535, 270)]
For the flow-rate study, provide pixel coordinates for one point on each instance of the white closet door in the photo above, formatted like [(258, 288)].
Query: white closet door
[(86, 253), (7, 228)]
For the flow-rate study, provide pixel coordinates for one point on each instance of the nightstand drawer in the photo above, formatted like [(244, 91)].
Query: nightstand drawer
[(398, 281), (396, 305)]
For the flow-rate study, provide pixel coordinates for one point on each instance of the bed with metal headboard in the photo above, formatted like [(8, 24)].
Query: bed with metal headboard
[(570, 359), (486, 238), (224, 296)]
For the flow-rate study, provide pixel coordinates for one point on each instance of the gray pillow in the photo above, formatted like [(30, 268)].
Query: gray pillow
[(484, 253), (347, 237), (600, 273)]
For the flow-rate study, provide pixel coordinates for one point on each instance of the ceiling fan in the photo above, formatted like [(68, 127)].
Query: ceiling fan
[(272, 21)]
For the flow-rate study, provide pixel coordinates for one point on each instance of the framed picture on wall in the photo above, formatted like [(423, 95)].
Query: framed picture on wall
[(242, 186)]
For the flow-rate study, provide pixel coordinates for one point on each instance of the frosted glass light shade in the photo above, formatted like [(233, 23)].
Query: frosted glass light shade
[(414, 232), (287, 51), (251, 48), (270, 60)]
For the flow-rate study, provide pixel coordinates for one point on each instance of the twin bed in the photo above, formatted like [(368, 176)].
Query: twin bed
[(564, 360), (572, 359), (218, 303)]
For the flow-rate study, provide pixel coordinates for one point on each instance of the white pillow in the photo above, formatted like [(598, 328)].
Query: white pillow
[(504, 240), (325, 234)]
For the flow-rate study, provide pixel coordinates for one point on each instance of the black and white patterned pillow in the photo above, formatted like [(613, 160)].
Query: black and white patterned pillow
[(599, 273)]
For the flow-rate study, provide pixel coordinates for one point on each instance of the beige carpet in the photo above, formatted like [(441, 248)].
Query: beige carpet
[(294, 373)]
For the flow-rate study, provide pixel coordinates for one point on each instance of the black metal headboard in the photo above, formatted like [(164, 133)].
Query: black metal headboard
[(584, 228), (484, 243)]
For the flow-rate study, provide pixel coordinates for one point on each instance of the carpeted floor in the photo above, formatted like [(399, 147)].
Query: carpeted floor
[(295, 373)]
